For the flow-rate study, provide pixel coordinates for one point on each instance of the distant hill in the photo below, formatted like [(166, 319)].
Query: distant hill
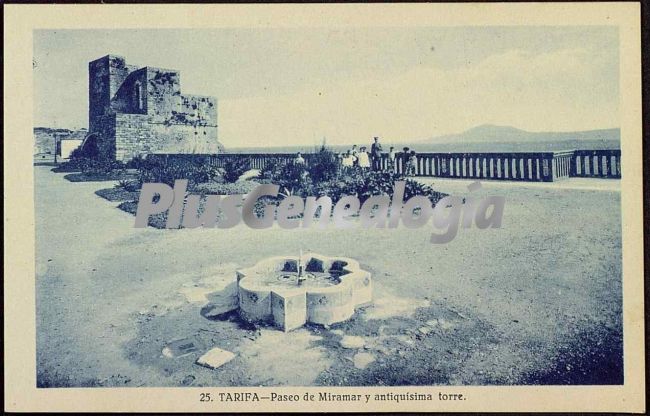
[(491, 138), (492, 133)]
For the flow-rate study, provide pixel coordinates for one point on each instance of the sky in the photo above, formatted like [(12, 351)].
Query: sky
[(280, 87)]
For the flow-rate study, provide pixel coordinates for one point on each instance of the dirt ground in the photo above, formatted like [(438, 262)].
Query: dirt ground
[(535, 302)]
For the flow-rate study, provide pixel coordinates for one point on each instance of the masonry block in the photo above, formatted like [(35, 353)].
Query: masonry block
[(289, 309)]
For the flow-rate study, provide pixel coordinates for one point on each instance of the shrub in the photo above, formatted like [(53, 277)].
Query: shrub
[(167, 171), (73, 165), (117, 194), (128, 185), (262, 181), (99, 167), (272, 169), (376, 183), (364, 183), (293, 179), (413, 187), (213, 188), (338, 187), (76, 154), (156, 220), (88, 151), (136, 162), (324, 165), (325, 176), (234, 168), (93, 167)]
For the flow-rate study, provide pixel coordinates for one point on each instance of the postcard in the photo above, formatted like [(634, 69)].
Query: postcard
[(323, 207)]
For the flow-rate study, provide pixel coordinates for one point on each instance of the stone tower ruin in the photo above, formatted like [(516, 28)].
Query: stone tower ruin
[(140, 110)]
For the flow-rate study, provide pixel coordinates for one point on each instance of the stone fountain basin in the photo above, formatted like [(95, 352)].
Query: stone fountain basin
[(334, 286)]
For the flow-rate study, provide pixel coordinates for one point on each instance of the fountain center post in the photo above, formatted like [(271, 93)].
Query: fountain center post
[(300, 274)]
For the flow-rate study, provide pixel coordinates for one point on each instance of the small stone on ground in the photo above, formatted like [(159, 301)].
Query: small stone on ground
[(167, 352), (215, 358), (352, 342), (425, 330), (187, 380), (181, 347), (363, 359)]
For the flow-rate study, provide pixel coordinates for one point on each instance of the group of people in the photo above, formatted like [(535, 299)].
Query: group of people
[(373, 159), (360, 157)]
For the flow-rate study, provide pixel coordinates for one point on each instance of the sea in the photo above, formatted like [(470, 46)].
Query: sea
[(424, 147)]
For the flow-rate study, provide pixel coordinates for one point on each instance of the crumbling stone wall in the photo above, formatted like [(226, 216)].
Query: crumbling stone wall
[(163, 93), (47, 141), (198, 110), (130, 97), (147, 112)]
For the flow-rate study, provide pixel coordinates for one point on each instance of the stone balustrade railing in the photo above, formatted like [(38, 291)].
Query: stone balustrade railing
[(512, 166), (596, 163)]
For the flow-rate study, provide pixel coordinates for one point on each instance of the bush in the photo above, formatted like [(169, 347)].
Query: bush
[(156, 220), (324, 165), (213, 188), (365, 183), (129, 185), (88, 151), (234, 168), (293, 179), (99, 167), (74, 165), (135, 163), (167, 171), (413, 187), (348, 183), (375, 183), (325, 176), (272, 169), (93, 167), (76, 154), (117, 194)]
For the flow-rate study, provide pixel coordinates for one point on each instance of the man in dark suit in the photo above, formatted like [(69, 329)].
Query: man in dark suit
[(375, 153)]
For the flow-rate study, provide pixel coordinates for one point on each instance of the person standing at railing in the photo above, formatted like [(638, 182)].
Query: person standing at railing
[(348, 160), (404, 157), (364, 159), (355, 154), (411, 164), (375, 153), (392, 160), (299, 159)]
